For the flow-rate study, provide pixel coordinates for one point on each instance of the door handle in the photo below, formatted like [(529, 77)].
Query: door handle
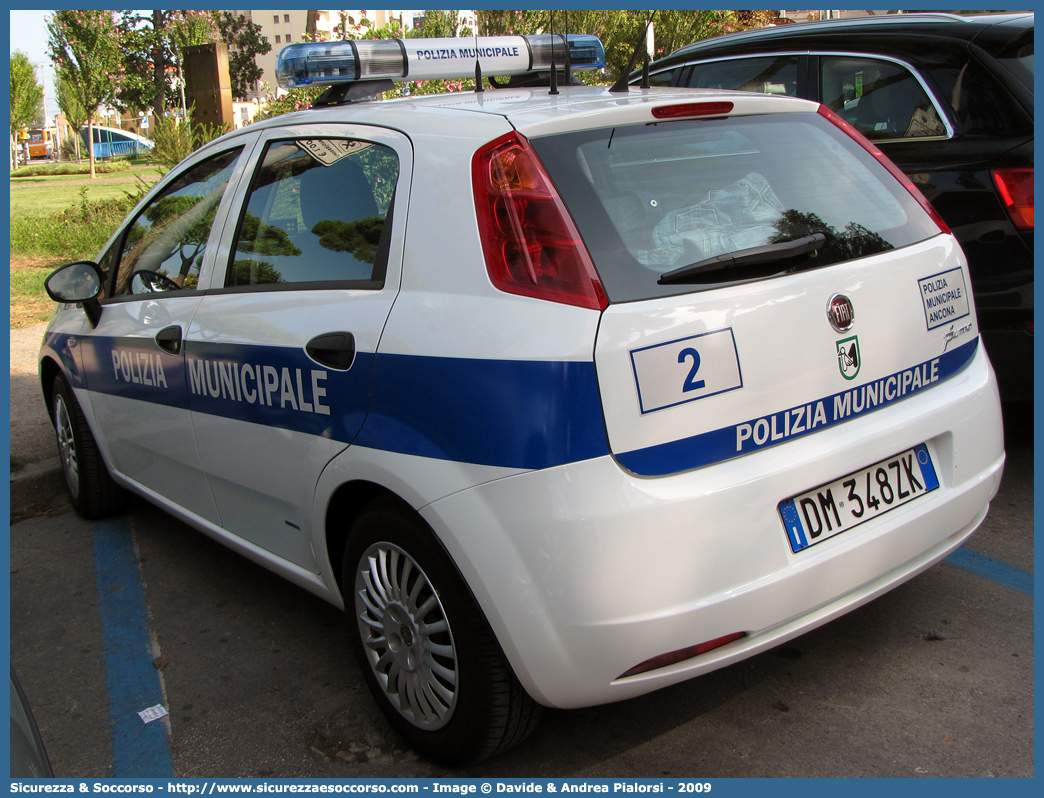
[(169, 339), (335, 350)]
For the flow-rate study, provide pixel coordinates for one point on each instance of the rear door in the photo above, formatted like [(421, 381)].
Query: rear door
[(701, 365), (280, 354)]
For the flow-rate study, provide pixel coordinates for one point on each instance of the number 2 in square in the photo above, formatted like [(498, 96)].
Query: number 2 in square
[(691, 383)]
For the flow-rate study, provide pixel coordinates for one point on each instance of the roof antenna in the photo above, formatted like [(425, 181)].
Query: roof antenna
[(478, 66), (568, 60), (554, 71), (621, 85)]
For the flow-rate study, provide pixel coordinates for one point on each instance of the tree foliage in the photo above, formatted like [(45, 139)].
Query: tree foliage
[(73, 108), (147, 53), (85, 47), (191, 28), (26, 93), (244, 41), (619, 30)]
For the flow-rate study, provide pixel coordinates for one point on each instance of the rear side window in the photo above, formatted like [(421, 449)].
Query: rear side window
[(650, 199), (1017, 58), (769, 75), (881, 99), (318, 212), (980, 105)]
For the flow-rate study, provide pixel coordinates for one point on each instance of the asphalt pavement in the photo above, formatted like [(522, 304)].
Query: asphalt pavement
[(933, 679), (36, 476)]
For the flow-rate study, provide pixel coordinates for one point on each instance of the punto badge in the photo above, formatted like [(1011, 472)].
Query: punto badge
[(840, 313)]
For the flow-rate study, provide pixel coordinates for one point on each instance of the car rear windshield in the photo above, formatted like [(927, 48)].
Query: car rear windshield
[(652, 199)]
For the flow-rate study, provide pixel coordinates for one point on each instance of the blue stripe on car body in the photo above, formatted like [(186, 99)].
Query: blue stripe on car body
[(725, 443), (507, 413)]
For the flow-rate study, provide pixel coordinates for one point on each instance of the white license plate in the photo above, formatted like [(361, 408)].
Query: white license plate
[(829, 510)]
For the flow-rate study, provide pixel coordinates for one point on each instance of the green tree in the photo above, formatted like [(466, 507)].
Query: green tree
[(26, 93), (244, 41), (147, 54), (73, 108), (443, 24), (619, 30), (85, 47)]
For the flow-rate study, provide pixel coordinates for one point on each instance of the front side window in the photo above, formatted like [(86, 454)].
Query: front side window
[(882, 99), (318, 211), (769, 75), (165, 244)]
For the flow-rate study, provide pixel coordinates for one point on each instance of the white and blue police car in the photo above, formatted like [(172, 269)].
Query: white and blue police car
[(565, 394)]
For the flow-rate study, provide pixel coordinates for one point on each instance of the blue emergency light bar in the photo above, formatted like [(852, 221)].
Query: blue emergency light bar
[(329, 63)]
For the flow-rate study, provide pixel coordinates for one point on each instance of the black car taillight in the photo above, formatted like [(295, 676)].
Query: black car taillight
[(1015, 187)]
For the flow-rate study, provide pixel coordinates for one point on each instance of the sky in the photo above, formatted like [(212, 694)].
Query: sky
[(29, 34)]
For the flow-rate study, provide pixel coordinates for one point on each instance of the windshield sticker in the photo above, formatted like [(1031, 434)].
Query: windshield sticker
[(330, 151), (945, 298)]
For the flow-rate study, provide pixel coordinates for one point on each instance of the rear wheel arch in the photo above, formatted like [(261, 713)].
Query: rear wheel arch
[(494, 711), (345, 506)]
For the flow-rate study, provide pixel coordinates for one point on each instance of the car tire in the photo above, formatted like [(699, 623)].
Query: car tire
[(428, 654), (92, 490)]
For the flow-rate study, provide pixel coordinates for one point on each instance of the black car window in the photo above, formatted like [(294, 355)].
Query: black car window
[(769, 75), (980, 105), (882, 99), (165, 243), (1017, 58), (316, 213), (664, 78)]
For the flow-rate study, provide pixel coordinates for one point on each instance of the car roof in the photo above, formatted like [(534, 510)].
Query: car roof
[(531, 111), (965, 27)]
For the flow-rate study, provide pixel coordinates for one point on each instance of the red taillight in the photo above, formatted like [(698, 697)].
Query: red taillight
[(1015, 187), (664, 660), (886, 162), (529, 240), (686, 110)]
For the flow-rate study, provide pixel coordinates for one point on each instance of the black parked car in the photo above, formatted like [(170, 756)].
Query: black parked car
[(950, 99)]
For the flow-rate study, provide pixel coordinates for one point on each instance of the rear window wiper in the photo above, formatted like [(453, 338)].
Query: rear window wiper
[(761, 262)]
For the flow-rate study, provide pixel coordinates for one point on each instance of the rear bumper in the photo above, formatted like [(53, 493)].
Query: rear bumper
[(585, 571)]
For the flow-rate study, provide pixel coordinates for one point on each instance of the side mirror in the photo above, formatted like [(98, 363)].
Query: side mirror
[(146, 282), (75, 282), (79, 282)]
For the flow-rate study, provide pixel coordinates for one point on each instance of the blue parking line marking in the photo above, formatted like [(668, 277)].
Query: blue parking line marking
[(994, 570), (140, 750)]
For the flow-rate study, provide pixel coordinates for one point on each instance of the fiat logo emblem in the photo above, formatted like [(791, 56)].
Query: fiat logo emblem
[(840, 313)]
